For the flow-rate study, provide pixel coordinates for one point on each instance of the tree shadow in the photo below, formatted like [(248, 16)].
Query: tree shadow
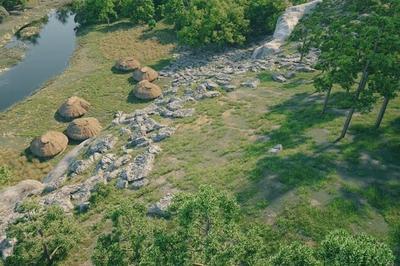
[(62, 119), (164, 36)]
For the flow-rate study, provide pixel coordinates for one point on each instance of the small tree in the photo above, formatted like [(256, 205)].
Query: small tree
[(341, 248), (44, 236)]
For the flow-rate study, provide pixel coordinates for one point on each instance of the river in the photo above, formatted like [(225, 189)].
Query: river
[(46, 58)]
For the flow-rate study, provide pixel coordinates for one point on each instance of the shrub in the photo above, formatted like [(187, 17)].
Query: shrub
[(295, 254), (341, 248), (263, 15), (5, 175), (44, 237)]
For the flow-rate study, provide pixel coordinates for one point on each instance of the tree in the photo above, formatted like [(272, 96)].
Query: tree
[(94, 11), (43, 236), (217, 22), (295, 254), (386, 77), (139, 11), (204, 229), (341, 248), (263, 15), (349, 52), (13, 4)]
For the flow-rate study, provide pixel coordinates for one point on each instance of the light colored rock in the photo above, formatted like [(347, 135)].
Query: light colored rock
[(279, 78), (163, 134), (6, 247), (277, 149), (160, 208), (284, 28), (251, 83), (101, 145)]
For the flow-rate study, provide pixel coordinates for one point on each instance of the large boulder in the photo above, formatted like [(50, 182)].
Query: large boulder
[(49, 144), (146, 90), (284, 28), (145, 73)]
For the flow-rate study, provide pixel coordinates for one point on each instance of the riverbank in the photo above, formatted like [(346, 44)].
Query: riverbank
[(89, 76)]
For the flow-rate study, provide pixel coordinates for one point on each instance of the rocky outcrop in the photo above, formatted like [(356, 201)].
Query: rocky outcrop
[(11, 196), (284, 28)]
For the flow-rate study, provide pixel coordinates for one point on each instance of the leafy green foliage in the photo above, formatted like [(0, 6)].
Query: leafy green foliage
[(5, 175), (13, 4), (295, 254), (213, 22), (341, 248), (263, 15), (43, 236), (94, 11), (204, 229)]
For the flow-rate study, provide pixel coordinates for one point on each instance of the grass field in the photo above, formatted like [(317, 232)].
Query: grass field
[(309, 189)]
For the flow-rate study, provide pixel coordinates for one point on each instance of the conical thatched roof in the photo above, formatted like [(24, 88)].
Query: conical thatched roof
[(127, 64), (145, 73), (83, 128), (74, 107), (49, 145), (146, 90)]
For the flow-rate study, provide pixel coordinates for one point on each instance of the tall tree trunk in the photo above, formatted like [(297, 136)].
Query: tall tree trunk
[(361, 87), (382, 112), (328, 94)]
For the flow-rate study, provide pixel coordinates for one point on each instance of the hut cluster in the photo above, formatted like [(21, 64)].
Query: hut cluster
[(144, 75), (74, 108), (53, 142)]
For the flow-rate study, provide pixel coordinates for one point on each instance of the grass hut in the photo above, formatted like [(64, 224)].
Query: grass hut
[(49, 144), (127, 64), (145, 73), (146, 90), (83, 128), (74, 107)]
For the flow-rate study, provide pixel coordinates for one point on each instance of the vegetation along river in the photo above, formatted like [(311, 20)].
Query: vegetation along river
[(47, 56)]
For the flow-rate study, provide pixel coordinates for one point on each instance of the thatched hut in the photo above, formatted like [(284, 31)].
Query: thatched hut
[(145, 73), (74, 107), (146, 90), (127, 64), (49, 144), (83, 128)]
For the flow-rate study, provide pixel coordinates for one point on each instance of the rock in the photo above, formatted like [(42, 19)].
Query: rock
[(80, 166), (6, 247), (122, 184), (251, 83), (277, 149), (83, 207), (140, 142), (229, 88), (290, 75), (306, 69), (279, 78), (211, 85), (162, 134), (135, 185), (160, 208), (285, 25), (3, 13), (101, 145)]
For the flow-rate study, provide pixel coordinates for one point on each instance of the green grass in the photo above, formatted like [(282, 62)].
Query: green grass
[(309, 189)]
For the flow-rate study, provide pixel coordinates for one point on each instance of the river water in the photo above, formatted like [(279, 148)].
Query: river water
[(47, 57)]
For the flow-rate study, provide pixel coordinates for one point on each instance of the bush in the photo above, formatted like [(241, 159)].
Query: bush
[(13, 4), (5, 175), (341, 248), (44, 237), (217, 22), (295, 254), (263, 15)]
